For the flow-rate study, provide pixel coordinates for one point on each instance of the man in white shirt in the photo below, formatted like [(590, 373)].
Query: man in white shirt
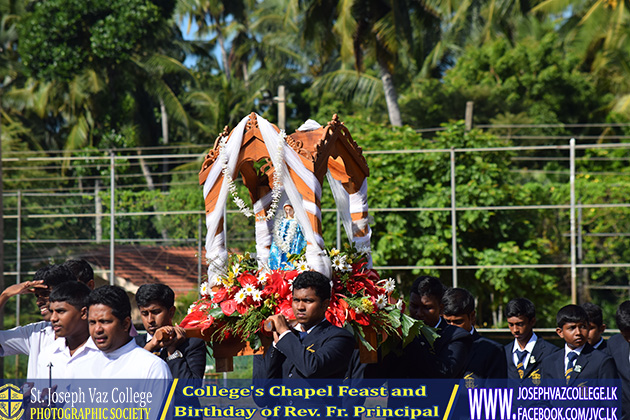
[(109, 320), (73, 352), (32, 338)]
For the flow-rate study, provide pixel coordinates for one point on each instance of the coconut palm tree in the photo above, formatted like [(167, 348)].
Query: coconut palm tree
[(598, 31)]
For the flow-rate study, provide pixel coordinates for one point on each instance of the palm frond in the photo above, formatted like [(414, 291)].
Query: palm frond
[(349, 84)]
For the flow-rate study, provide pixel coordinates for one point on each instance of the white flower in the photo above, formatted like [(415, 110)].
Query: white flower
[(399, 304), (339, 259), (240, 296), (347, 268), (262, 279), (381, 301), (191, 307), (257, 295), (204, 288), (249, 289), (303, 266), (236, 268), (276, 192), (338, 264), (213, 283), (389, 285)]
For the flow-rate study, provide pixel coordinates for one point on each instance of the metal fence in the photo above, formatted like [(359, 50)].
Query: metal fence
[(80, 202)]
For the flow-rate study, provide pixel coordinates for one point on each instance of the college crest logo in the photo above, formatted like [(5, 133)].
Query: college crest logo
[(10, 402)]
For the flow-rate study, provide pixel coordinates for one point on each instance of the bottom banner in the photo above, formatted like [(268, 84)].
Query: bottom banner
[(324, 399)]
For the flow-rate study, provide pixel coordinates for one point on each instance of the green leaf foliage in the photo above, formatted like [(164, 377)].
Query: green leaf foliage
[(60, 38), (484, 237)]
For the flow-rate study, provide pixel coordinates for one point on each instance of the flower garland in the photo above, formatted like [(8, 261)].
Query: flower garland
[(285, 244), (276, 190)]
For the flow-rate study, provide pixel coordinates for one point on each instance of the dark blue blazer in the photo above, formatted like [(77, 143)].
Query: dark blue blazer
[(594, 364), (193, 363), (446, 359), (541, 350), (324, 353), (619, 349), (602, 347), (486, 359)]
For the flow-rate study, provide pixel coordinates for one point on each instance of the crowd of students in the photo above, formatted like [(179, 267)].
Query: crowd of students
[(316, 349), (88, 333)]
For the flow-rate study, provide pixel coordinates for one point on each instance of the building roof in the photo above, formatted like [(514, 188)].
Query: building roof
[(135, 265)]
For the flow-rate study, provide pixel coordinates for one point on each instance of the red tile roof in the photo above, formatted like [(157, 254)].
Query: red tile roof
[(176, 267)]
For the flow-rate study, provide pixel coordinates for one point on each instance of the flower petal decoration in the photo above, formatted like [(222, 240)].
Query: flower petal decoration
[(237, 307), (228, 306)]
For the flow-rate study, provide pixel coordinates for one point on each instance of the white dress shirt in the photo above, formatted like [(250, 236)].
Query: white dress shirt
[(130, 362), (529, 348), (63, 364), (29, 339)]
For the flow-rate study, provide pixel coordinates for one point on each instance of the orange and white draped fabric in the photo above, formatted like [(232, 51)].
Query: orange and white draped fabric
[(290, 166)]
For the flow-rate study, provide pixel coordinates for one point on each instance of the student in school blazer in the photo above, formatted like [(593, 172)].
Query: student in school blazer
[(542, 350), (593, 364), (189, 363), (323, 353), (446, 359), (486, 359), (619, 349)]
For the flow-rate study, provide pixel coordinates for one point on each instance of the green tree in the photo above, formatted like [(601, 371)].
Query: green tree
[(483, 237)]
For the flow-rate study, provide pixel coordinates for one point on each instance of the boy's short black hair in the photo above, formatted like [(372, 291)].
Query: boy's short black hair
[(571, 313), (113, 296), (73, 292), (428, 286), (155, 292), (54, 275), (81, 269), (623, 316), (458, 301), (594, 313), (520, 307), (316, 281)]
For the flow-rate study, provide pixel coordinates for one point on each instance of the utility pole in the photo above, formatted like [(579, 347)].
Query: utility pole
[(469, 115), (281, 100)]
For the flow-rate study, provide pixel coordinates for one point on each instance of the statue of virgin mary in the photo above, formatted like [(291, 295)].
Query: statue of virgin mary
[(288, 239)]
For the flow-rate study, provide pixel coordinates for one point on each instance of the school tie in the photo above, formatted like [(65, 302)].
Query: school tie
[(572, 356), (303, 335), (521, 355)]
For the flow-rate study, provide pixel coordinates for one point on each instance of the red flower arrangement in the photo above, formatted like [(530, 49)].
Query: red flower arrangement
[(238, 302)]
